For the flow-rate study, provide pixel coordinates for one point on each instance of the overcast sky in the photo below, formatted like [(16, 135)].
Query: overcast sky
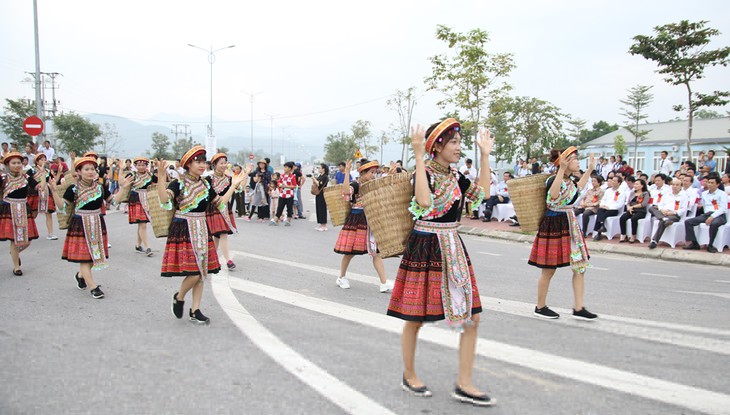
[(322, 63)]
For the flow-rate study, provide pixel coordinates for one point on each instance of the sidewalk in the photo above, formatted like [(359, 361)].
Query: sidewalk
[(502, 230)]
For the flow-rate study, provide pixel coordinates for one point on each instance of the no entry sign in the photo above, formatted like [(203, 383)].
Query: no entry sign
[(33, 126), (250, 156)]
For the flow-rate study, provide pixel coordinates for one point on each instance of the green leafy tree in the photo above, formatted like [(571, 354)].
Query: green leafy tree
[(109, 140), (160, 146), (599, 129), (525, 126), (181, 146), (636, 103), (339, 147), (575, 130), (11, 122), (76, 133), (224, 150), (680, 51), (706, 114), (470, 78), (619, 145), (363, 137), (403, 102)]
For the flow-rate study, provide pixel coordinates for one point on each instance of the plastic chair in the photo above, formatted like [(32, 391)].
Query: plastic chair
[(591, 222), (672, 234), (503, 211), (612, 225), (702, 231), (644, 228)]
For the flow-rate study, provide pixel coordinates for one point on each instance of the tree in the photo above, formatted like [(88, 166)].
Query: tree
[(11, 122), (181, 146), (403, 102), (525, 126), (577, 126), (339, 147), (471, 77), (362, 135), (638, 99), (619, 145), (76, 133), (223, 150), (600, 129), (705, 114), (679, 51), (160, 145), (109, 140)]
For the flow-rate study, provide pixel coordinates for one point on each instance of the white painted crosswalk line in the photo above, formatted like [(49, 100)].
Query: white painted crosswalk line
[(339, 393), (623, 381)]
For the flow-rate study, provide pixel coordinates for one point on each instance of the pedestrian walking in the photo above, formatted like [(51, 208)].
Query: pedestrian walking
[(16, 218), (318, 186)]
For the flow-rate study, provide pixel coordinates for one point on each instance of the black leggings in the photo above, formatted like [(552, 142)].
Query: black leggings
[(638, 214), (289, 203)]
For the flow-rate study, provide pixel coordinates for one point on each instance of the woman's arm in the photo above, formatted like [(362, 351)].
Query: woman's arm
[(422, 191), (485, 143)]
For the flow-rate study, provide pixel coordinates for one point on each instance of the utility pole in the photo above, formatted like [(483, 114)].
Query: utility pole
[(38, 103), (185, 133)]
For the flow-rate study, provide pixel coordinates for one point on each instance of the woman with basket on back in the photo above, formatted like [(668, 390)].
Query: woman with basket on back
[(138, 209), (435, 279), (559, 241)]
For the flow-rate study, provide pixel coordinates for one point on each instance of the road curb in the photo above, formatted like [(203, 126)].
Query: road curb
[(666, 254)]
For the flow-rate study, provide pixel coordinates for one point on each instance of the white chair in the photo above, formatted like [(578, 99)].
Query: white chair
[(612, 225), (702, 231), (644, 228), (691, 211), (591, 222), (503, 211)]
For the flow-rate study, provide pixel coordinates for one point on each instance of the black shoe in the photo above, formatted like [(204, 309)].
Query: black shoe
[(624, 240), (597, 237), (177, 306), (421, 391), (514, 225), (545, 312), (479, 400), (584, 314), (198, 317), (693, 246), (603, 229), (80, 282), (97, 292), (711, 249), (652, 245)]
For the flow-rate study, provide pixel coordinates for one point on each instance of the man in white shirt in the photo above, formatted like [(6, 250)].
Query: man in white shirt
[(666, 167), (714, 202), (659, 190), (692, 194), (470, 172), (498, 194), (29, 153), (613, 200), (672, 208), (48, 150), (605, 168)]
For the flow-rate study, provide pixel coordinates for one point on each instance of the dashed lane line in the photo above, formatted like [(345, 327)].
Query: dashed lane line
[(672, 393), (490, 254), (721, 295), (650, 274)]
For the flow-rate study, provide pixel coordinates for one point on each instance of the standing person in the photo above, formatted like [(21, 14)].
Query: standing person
[(470, 172), (258, 199), (666, 167), (220, 218), (298, 196), (636, 209), (48, 150), (435, 278), (355, 237), (190, 252), (274, 195), (16, 219), (86, 241), (40, 199), (239, 196), (138, 209), (559, 241), (340, 175), (711, 163), (287, 184), (266, 176), (318, 186)]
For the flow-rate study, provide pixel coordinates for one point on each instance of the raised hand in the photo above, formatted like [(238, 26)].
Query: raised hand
[(161, 166), (418, 140), (485, 141), (126, 181), (239, 178)]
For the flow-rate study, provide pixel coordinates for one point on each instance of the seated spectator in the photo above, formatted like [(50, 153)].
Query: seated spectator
[(714, 203), (591, 200), (693, 196), (659, 189), (670, 211), (501, 196), (725, 183), (635, 210), (612, 201)]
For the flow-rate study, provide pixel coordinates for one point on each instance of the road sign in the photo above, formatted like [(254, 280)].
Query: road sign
[(33, 126), (250, 156), (358, 155)]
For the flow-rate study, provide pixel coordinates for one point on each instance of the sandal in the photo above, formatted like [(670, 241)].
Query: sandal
[(17, 272)]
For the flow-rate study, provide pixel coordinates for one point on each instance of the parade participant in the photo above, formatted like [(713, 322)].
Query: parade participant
[(355, 237), (559, 241), (86, 241), (190, 251), (39, 198), (16, 219), (221, 222), (138, 209), (435, 278)]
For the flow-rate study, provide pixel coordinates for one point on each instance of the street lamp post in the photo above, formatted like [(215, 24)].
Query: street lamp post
[(211, 59), (251, 95), (271, 116)]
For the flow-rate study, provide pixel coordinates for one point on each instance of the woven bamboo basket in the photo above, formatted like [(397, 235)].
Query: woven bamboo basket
[(161, 218), (385, 201), (528, 197), (338, 207), (64, 219)]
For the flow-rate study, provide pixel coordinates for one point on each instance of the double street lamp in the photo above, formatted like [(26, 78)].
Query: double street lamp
[(211, 59)]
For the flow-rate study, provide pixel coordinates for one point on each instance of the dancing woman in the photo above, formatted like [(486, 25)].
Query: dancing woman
[(559, 241), (435, 279), (138, 210), (16, 220), (220, 218), (39, 198)]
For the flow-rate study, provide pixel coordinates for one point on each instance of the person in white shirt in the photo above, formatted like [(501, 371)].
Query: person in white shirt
[(498, 194), (612, 201), (672, 208), (470, 172), (693, 196), (48, 150), (714, 202), (725, 180), (605, 168), (666, 167), (29, 153), (659, 189), (624, 184), (524, 170)]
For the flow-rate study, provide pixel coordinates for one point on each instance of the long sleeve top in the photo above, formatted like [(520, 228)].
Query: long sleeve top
[(715, 202), (676, 203), (613, 199)]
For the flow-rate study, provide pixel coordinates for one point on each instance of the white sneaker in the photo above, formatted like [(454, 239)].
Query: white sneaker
[(51, 237), (343, 283), (387, 286)]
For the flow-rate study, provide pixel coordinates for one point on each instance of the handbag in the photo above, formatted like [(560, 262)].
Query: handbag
[(315, 188)]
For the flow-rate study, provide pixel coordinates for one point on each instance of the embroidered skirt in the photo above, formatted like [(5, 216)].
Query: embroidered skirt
[(417, 292), (6, 224), (33, 201), (135, 210), (353, 237), (179, 260), (217, 224), (75, 246), (551, 248)]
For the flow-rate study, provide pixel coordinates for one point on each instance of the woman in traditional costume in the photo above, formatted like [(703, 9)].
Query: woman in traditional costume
[(559, 241), (138, 210), (39, 198), (86, 241), (435, 279), (190, 251), (221, 222), (355, 237), (16, 219)]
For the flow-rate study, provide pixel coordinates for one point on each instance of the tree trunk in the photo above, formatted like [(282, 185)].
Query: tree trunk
[(689, 122)]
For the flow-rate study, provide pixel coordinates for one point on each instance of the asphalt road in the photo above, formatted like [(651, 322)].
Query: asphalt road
[(285, 339)]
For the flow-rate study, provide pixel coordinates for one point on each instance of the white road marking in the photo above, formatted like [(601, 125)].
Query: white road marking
[(598, 268), (330, 387), (631, 383), (726, 282), (649, 274), (489, 253), (721, 295)]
